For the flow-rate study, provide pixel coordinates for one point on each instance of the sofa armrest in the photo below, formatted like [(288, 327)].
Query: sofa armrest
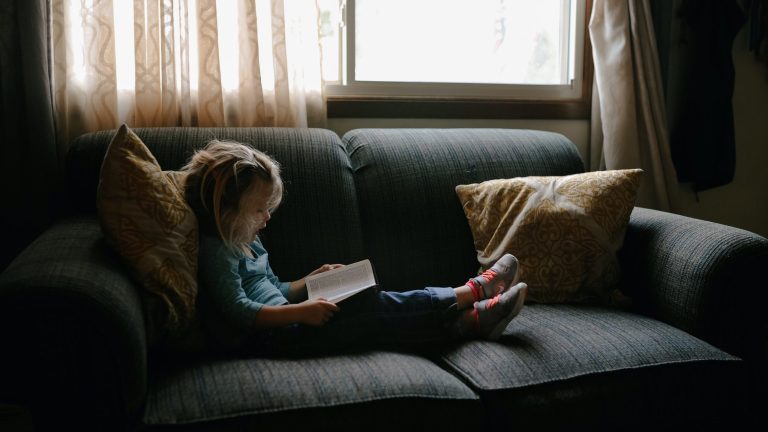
[(702, 277), (73, 330)]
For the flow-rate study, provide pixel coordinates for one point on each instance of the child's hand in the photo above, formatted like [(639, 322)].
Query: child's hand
[(326, 267), (316, 312), (299, 287)]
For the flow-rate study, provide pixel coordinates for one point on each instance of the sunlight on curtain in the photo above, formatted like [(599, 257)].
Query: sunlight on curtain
[(630, 123), (185, 63)]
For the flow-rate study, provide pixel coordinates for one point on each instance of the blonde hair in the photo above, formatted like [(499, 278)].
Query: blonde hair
[(216, 179)]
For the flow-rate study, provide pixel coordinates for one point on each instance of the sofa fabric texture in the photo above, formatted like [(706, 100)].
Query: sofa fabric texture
[(686, 352), (215, 390), (543, 347), (406, 182), (68, 281), (699, 276)]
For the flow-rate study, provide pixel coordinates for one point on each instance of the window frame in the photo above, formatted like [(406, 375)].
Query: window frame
[(345, 103)]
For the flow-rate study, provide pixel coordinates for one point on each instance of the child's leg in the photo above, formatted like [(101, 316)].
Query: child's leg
[(372, 318), (489, 318), (465, 298), (492, 282), (409, 318)]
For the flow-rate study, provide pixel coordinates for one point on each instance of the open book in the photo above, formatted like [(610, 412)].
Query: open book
[(337, 284)]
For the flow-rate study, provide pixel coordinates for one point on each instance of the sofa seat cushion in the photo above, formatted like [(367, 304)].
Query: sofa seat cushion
[(599, 368), (547, 343), (241, 388)]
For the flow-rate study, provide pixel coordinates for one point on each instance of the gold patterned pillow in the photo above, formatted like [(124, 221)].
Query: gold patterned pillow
[(565, 231), (146, 220)]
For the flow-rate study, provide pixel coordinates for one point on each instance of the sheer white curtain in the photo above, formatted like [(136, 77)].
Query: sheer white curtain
[(185, 63), (629, 126)]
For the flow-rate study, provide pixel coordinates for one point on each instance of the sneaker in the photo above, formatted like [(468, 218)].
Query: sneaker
[(493, 315), (496, 279)]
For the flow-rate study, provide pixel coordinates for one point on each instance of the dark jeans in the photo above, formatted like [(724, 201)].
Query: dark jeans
[(373, 318)]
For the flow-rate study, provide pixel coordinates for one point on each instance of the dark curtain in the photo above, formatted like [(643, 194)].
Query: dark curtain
[(29, 162), (758, 28), (695, 38)]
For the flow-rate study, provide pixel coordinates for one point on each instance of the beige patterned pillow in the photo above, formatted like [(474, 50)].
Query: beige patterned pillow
[(565, 231), (146, 220)]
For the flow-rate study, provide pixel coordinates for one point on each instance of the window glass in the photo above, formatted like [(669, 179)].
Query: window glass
[(462, 41), (466, 48)]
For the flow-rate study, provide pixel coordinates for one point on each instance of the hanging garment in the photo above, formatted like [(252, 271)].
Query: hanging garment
[(699, 91)]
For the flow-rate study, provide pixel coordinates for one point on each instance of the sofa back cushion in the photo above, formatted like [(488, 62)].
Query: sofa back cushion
[(317, 222), (414, 229)]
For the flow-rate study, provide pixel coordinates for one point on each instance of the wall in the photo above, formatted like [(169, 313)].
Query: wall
[(742, 203)]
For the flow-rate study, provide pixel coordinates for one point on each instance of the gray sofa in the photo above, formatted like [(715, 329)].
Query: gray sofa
[(690, 353)]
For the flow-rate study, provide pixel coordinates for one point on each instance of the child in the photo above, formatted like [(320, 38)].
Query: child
[(234, 189)]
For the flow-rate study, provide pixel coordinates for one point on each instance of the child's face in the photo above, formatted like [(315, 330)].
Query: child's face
[(254, 210)]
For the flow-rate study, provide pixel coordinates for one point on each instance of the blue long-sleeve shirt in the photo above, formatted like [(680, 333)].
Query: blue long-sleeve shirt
[(238, 285)]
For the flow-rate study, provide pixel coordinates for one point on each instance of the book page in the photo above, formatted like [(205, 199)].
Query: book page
[(337, 284)]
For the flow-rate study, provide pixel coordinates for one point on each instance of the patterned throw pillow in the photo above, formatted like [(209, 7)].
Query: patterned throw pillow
[(146, 220), (565, 231)]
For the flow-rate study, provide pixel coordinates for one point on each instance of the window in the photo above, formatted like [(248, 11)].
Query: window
[(457, 58)]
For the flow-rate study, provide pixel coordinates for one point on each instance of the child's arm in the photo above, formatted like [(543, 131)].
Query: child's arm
[(218, 272), (233, 301), (295, 291)]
